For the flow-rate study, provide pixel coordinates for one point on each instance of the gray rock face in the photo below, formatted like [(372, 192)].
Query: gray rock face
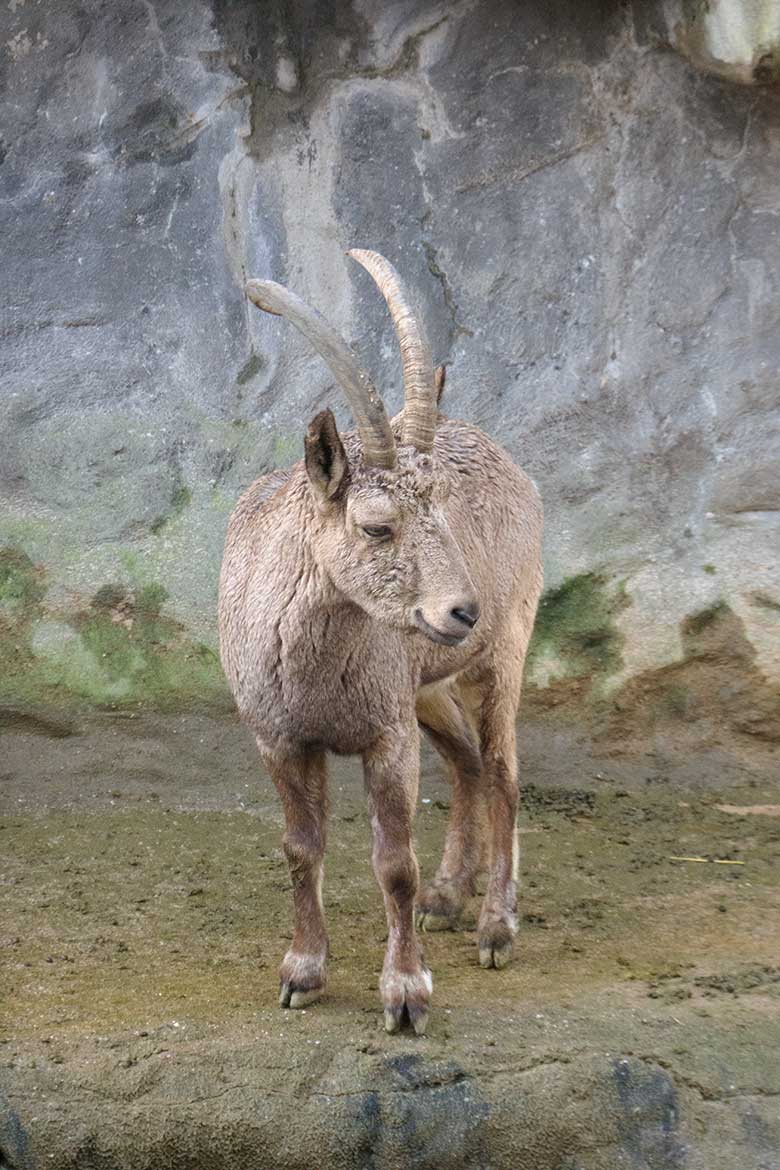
[(591, 228)]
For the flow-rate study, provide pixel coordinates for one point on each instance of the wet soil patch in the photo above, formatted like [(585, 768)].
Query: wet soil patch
[(147, 904)]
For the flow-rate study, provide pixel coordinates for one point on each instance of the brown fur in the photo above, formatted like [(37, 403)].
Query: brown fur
[(327, 641)]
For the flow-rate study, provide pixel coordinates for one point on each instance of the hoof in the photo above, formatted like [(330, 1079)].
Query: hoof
[(439, 906), (495, 957), (428, 921), (406, 1000), (301, 979), (394, 1022), (291, 996), (496, 944)]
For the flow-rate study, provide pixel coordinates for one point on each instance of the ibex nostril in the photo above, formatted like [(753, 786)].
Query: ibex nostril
[(467, 613)]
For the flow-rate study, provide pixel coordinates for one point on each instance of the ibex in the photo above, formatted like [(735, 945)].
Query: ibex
[(387, 582)]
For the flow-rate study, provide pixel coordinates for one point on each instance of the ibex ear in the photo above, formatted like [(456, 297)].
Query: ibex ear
[(326, 460), (438, 381)]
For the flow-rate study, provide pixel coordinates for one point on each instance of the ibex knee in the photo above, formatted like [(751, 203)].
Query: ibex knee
[(398, 876), (302, 850)]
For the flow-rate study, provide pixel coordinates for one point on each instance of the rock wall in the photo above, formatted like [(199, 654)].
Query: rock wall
[(593, 231)]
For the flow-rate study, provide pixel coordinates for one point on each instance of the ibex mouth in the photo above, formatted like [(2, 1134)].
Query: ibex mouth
[(437, 635)]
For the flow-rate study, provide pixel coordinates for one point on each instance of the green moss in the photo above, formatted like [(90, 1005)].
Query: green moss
[(22, 588), (180, 499), (252, 366), (151, 598), (129, 652), (709, 569), (131, 563), (120, 650), (36, 537), (286, 450), (575, 634), (21, 584)]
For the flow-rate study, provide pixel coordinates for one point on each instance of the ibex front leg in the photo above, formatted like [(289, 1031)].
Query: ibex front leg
[(391, 772), (301, 784)]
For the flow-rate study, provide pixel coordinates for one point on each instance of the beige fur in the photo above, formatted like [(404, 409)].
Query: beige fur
[(336, 640)]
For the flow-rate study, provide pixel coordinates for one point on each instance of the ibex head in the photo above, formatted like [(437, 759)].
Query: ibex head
[(383, 537)]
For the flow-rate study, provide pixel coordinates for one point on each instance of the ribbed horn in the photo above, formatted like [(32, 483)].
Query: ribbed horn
[(367, 407), (420, 410)]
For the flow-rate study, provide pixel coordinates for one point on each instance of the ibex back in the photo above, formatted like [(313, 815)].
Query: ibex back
[(387, 582)]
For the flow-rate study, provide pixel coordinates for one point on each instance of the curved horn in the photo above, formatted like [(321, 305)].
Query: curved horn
[(367, 407), (420, 411)]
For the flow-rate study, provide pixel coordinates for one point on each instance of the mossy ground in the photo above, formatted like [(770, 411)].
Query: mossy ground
[(147, 904), (139, 892)]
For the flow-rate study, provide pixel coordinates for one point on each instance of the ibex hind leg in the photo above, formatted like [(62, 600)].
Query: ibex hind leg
[(447, 724), (498, 917), (301, 784)]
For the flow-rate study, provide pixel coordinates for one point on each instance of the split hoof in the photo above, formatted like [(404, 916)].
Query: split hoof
[(439, 906), (428, 921), (301, 979), (291, 996), (406, 999), (496, 944), (495, 957), (395, 1022)]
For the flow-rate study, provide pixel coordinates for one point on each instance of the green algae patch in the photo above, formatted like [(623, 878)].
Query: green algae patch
[(22, 587), (127, 651), (576, 634), (181, 499), (251, 367), (21, 584), (120, 650), (287, 448)]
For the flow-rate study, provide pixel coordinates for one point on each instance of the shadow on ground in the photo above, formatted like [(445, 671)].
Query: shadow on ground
[(146, 907)]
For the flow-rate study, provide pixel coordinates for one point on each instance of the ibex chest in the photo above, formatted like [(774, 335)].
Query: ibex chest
[(324, 680)]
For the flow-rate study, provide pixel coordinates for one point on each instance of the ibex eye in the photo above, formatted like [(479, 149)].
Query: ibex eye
[(379, 531)]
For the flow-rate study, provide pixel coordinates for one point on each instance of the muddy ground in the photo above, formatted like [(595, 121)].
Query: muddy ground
[(145, 907)]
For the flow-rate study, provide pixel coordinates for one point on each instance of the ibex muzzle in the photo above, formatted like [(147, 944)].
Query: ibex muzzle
[(448, 607)]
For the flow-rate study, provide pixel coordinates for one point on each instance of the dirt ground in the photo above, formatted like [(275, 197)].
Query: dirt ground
[(146, 905)]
